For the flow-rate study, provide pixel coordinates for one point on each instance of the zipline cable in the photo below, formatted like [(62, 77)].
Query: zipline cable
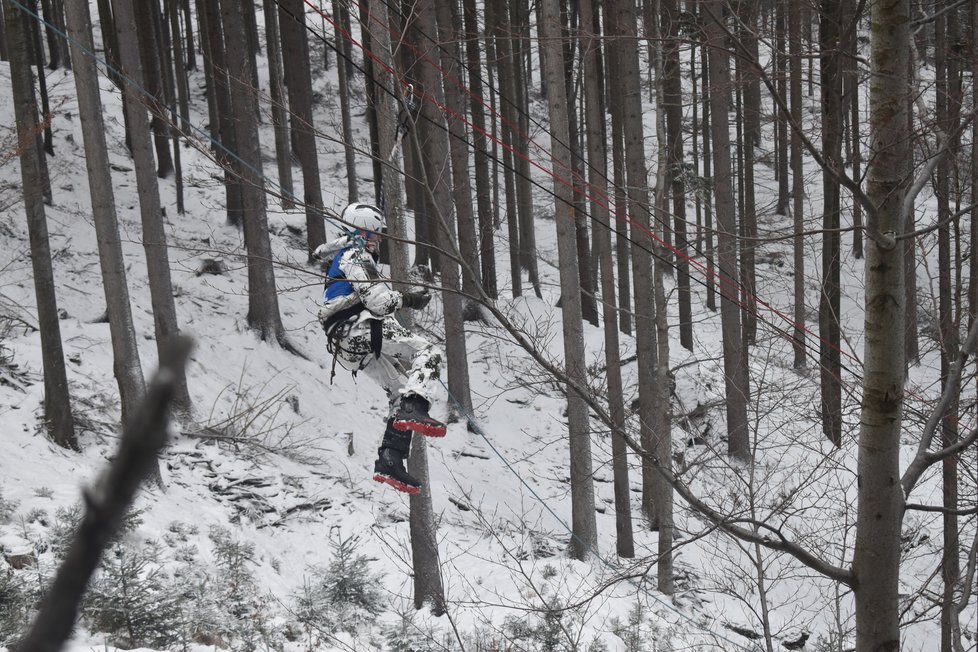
[(812, 354), (719, 275), (258, 173), (740, 293)]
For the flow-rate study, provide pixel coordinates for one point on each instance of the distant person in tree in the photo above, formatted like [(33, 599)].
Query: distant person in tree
[(363, 335)]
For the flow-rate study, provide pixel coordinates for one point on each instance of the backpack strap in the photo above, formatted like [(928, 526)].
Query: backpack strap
[(338, 325)]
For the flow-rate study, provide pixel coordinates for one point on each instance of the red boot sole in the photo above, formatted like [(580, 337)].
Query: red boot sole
[(421, 428), (400, 486)]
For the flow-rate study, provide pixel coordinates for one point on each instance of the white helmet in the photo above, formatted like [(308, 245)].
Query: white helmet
[(366, 217)]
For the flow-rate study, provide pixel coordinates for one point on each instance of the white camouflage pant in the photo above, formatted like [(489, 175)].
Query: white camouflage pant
[(408, 363)]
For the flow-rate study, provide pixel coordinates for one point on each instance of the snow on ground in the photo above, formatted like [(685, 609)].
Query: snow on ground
[(501, 495)]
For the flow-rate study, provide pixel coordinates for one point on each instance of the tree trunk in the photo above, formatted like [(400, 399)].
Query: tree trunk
[(621, 210), (386, 110), (852, 78), (830, 301), (295, 49), (428, 587), (497, 26), (417, 198), (973, 222), (598, 169), (149, 49), (188, 31), (797, 185), (171, 49), (672, 100), (734, 355), (782, 141), (585, 539), (947, 107), (280, 109), (437, 180), (57, 404), (58, 19), (213, 120), (711, 286), (179, 65), (495, 133), (3, 34), (369, 75), (911, 344), (876, 557), (622, 21), (750, 109), (42, 86), (662, 489), (254, 47), (263, 311), (147, 187), (226, 132), (575, 173), (524, 197), (695, 136), (54, 52), (449, 34), (126, 365), (704, 129), (251, 34), (747, 13), (349, 149), (483, 187)]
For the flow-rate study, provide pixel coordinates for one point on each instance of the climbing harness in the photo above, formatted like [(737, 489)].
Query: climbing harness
[(339, 325)]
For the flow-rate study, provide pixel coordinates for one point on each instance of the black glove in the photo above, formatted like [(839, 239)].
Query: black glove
[(415, 300)]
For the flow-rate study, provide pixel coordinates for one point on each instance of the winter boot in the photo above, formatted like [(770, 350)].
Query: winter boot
[(389, 467), (413, 415)]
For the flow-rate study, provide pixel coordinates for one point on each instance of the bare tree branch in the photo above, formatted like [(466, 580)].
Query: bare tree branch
[(885, 240), (943, 510), (106, 504), (967, 581), (927, 18), (779, 542), (814, 151), (952, 390), (924, 176)]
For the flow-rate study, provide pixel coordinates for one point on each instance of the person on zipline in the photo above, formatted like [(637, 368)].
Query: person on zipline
[(363, 335)]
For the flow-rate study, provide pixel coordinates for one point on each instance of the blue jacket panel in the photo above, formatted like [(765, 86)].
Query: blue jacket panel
[(336, 286)]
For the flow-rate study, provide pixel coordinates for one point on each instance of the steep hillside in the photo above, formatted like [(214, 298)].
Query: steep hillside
[(268, 531)]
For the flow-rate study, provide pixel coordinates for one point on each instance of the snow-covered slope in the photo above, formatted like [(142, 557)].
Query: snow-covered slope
[(269, 480)]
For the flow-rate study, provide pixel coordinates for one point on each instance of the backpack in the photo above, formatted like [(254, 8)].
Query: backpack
[(338, 325)]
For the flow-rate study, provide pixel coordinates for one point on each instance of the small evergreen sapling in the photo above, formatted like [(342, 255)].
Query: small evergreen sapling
[(132, 599), (247, 620), (7, 508), (15, 607), (351, 585), (343, 597)]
